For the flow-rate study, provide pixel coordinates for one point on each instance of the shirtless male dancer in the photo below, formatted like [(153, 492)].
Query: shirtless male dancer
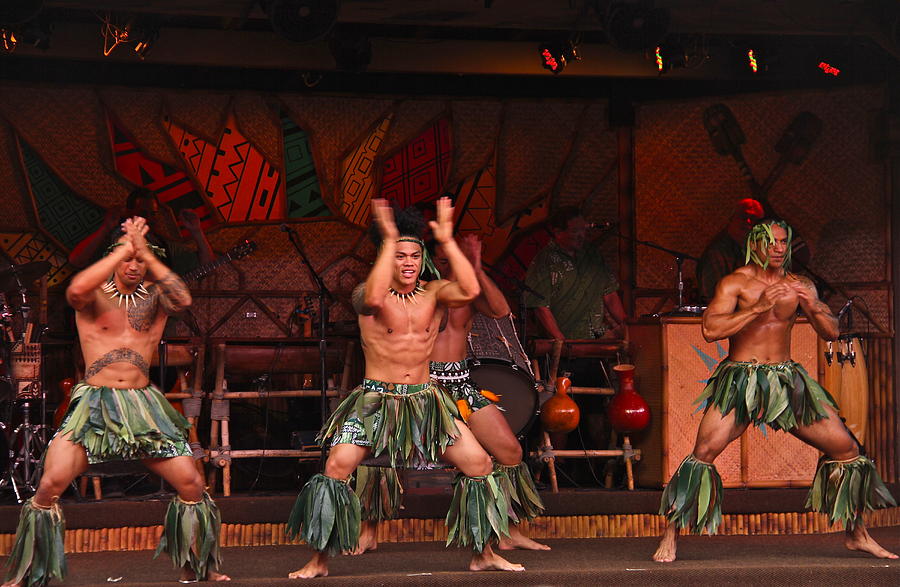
[(116, 414), (450, 367), (398, 410), (755, 308)]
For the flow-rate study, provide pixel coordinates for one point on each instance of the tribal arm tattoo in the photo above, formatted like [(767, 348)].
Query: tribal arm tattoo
[(359, 300), (174, 295), (121, 355)]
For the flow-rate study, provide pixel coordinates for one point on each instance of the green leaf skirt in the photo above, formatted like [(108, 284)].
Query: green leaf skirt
[(779, 395), (124, 424), (413, 424)]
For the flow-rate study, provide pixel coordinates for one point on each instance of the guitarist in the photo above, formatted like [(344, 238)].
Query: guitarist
[(725, 252), (141, 202)]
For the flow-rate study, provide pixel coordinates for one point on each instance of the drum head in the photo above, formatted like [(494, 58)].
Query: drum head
[(517, 391)]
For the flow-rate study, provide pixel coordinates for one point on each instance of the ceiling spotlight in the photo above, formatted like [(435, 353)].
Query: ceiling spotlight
[(670, 55), (555, 56), (8, 40), (141, 31)]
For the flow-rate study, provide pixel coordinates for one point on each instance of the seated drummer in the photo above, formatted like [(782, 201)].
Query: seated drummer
[(580, 301)]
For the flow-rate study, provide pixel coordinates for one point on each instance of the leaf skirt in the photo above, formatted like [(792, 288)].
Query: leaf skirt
[(413, 424), (124, 424), (781, 396)]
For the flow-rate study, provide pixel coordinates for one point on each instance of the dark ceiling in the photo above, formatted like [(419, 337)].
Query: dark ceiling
[(302, 38)]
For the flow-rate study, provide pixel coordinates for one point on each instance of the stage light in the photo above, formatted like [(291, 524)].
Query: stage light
[(751, 61), (117, 30), (8, 40), (555, 56), (669, 55), (829, 69)]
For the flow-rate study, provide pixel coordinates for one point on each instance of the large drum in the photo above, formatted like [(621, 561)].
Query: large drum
[(847, 380), (499, 364)]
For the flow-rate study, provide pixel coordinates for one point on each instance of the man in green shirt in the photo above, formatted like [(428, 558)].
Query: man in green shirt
[(577, 286)]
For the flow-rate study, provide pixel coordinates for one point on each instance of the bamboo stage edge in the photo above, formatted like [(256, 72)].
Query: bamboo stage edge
[(434, 530)]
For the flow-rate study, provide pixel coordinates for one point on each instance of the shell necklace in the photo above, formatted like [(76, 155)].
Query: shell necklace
[(110, 288), (410, 295)]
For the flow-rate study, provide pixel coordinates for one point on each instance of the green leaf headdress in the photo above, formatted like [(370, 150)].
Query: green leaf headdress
[(158, 251), (761, 235), (427, 263)]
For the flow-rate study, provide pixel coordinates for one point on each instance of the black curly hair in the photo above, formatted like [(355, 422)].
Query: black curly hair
[(410, 222)]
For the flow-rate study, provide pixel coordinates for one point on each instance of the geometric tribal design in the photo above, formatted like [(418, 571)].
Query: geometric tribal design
[(302, 191), (476, 204), (358, 175), (64, 215), (25, 247), (172, 186), (238, 180), (418, 170)]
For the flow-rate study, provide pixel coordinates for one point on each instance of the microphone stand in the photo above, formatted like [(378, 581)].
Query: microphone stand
[(680, 308), (324, 296)]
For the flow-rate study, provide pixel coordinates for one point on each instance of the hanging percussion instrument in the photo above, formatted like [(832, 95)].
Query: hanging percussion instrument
[(498, 363)]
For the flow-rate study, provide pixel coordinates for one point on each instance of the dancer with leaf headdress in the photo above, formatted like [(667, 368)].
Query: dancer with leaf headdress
[(398, 411), (755, 308), (116, 414)]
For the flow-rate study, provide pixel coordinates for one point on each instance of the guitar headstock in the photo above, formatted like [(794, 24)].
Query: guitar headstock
[(241, 250)]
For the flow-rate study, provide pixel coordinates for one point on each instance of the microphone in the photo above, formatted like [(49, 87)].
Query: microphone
[(845, 309)]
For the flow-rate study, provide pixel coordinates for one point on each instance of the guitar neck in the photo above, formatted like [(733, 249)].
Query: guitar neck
[(205, 270)]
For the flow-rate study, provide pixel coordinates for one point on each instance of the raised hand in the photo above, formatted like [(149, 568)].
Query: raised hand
[(442, 229), (136, 229), (470, 245), (383, 215), (190, 220)]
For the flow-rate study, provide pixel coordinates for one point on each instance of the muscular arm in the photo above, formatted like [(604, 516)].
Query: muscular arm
[(83, 287), (174, 295), (613, 303), (491, 301), (359, 300), (465, 289), (720, 320), (819, 314)]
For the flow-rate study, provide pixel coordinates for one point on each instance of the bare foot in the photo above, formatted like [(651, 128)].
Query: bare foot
[(860, 540), (490, 561), (316, 567), (665, 552), (517, 540), (188, 576), (368, 538)]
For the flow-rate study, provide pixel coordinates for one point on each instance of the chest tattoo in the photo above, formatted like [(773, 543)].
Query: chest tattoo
[(122, 355), (141, 313)]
